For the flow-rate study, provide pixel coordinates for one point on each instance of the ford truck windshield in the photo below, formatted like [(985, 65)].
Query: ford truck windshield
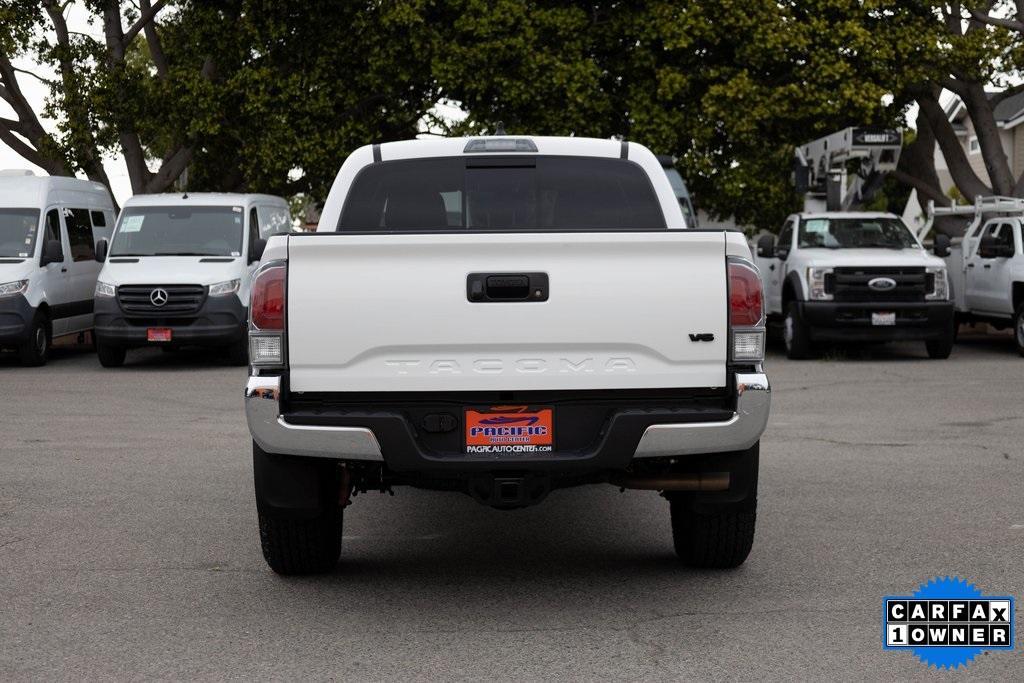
[(855, 233), (501, 194), (179, 231), (18, 232)]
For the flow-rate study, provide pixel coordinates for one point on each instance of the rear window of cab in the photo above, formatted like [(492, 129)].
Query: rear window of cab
[(501, 194)]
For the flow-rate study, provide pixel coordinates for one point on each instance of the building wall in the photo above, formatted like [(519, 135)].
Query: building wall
[(1013, 145), (1017, 134)]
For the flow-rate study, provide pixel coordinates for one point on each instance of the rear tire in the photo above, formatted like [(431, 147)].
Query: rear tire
[(713, 538), (301, 546), (795, 334), (300, 516), (1018, 329), (110, 356), (35, 350)]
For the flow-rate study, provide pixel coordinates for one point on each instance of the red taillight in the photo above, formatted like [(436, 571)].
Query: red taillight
[(746, 296), (268, 298)]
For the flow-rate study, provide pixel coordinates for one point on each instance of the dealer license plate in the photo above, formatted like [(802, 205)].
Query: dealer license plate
[(509, 430), (883, 319), (158, 334)]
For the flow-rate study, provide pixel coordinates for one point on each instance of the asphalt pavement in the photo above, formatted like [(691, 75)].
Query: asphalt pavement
[(129, 547)]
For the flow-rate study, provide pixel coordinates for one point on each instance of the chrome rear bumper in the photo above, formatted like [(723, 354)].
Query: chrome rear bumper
[(753, 403), (275, 435)]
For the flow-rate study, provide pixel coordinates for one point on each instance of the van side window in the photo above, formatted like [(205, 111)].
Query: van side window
[(274, 220), (98, 219), (83, 245), (254, 231), (52, 227)]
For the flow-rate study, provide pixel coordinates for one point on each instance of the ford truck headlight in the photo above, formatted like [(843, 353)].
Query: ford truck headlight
[(939, 283), (224, 288), (13, 288), (816, 285), (104, 289)]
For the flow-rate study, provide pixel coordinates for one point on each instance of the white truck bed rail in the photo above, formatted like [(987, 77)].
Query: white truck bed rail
[(982, 206)]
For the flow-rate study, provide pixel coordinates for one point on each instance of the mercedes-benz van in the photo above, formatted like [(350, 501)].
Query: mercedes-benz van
[(49, 230), (177, 272)]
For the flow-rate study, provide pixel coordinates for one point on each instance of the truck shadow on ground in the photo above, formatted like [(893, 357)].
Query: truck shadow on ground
[(577, 538), (973, 343), (187, 358)]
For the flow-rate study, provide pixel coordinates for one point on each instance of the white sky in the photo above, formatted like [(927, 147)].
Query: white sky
[(35, 92)]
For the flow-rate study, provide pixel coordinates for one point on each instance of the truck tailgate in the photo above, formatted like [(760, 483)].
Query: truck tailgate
[(391, 313)]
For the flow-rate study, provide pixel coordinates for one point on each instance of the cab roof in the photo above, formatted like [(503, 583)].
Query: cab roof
[(24, 189), (445, 147), (203, 199), (847, 214)]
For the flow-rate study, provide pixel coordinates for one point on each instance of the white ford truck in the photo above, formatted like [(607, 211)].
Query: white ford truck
[(986, 266), (857, 277), (503, 317)]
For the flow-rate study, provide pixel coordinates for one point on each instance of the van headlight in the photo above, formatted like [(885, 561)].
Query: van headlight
[(104, 289), (817, 288), (224, 288), (13, 288), (940, 283)]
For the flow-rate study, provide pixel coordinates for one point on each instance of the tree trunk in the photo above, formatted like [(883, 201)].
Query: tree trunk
[(967, 181), (979, 108)]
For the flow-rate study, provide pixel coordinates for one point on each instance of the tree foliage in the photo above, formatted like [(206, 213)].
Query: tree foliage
[(267, 96)]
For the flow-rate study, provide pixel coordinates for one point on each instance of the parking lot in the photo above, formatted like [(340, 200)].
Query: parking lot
[(128, 542)]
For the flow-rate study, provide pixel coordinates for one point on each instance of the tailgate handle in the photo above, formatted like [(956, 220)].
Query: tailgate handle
[(498, 287)]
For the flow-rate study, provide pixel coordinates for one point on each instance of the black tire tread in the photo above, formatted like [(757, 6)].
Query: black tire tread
[(1018, 316), (110, 356), (301, 546), (28, 353), (719, 540), (800, 347), (238, 353)]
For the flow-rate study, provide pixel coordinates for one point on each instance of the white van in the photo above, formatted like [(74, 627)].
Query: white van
[(178, 269), (49, 230)]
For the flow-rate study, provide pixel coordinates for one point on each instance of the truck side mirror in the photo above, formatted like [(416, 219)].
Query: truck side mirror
[(258, 247), (101, 250), (766, 246), (52, 252), (941, 246)]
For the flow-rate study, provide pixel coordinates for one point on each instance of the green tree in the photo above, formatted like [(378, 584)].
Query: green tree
[(247, 95), (727, 86)]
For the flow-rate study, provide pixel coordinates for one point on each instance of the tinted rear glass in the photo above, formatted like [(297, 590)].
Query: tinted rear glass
[(535, 193)]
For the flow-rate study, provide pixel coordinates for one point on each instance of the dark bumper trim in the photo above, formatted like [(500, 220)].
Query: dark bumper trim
[(16, 315), (388, 437), (219, 322), (851, 321)]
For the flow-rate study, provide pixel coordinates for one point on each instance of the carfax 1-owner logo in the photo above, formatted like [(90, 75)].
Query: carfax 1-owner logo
[(947, 622)]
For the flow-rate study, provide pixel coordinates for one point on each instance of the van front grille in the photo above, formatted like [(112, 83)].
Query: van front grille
[(144, 300)]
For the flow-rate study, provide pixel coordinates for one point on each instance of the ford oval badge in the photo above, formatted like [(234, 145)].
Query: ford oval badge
[(882, 284)]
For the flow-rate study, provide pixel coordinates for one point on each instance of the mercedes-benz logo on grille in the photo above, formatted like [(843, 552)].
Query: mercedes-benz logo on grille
[(882, 284), (158, 297)]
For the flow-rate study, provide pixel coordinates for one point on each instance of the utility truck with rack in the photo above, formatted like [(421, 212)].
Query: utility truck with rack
[(503, 317), (986, 265), (839, 275)]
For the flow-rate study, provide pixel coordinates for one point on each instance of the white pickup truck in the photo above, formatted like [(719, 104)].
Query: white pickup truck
[(986, 267), (503, 317), (857, 277)]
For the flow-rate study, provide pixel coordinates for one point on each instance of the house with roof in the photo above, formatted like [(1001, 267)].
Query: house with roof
[(1009, 115)]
